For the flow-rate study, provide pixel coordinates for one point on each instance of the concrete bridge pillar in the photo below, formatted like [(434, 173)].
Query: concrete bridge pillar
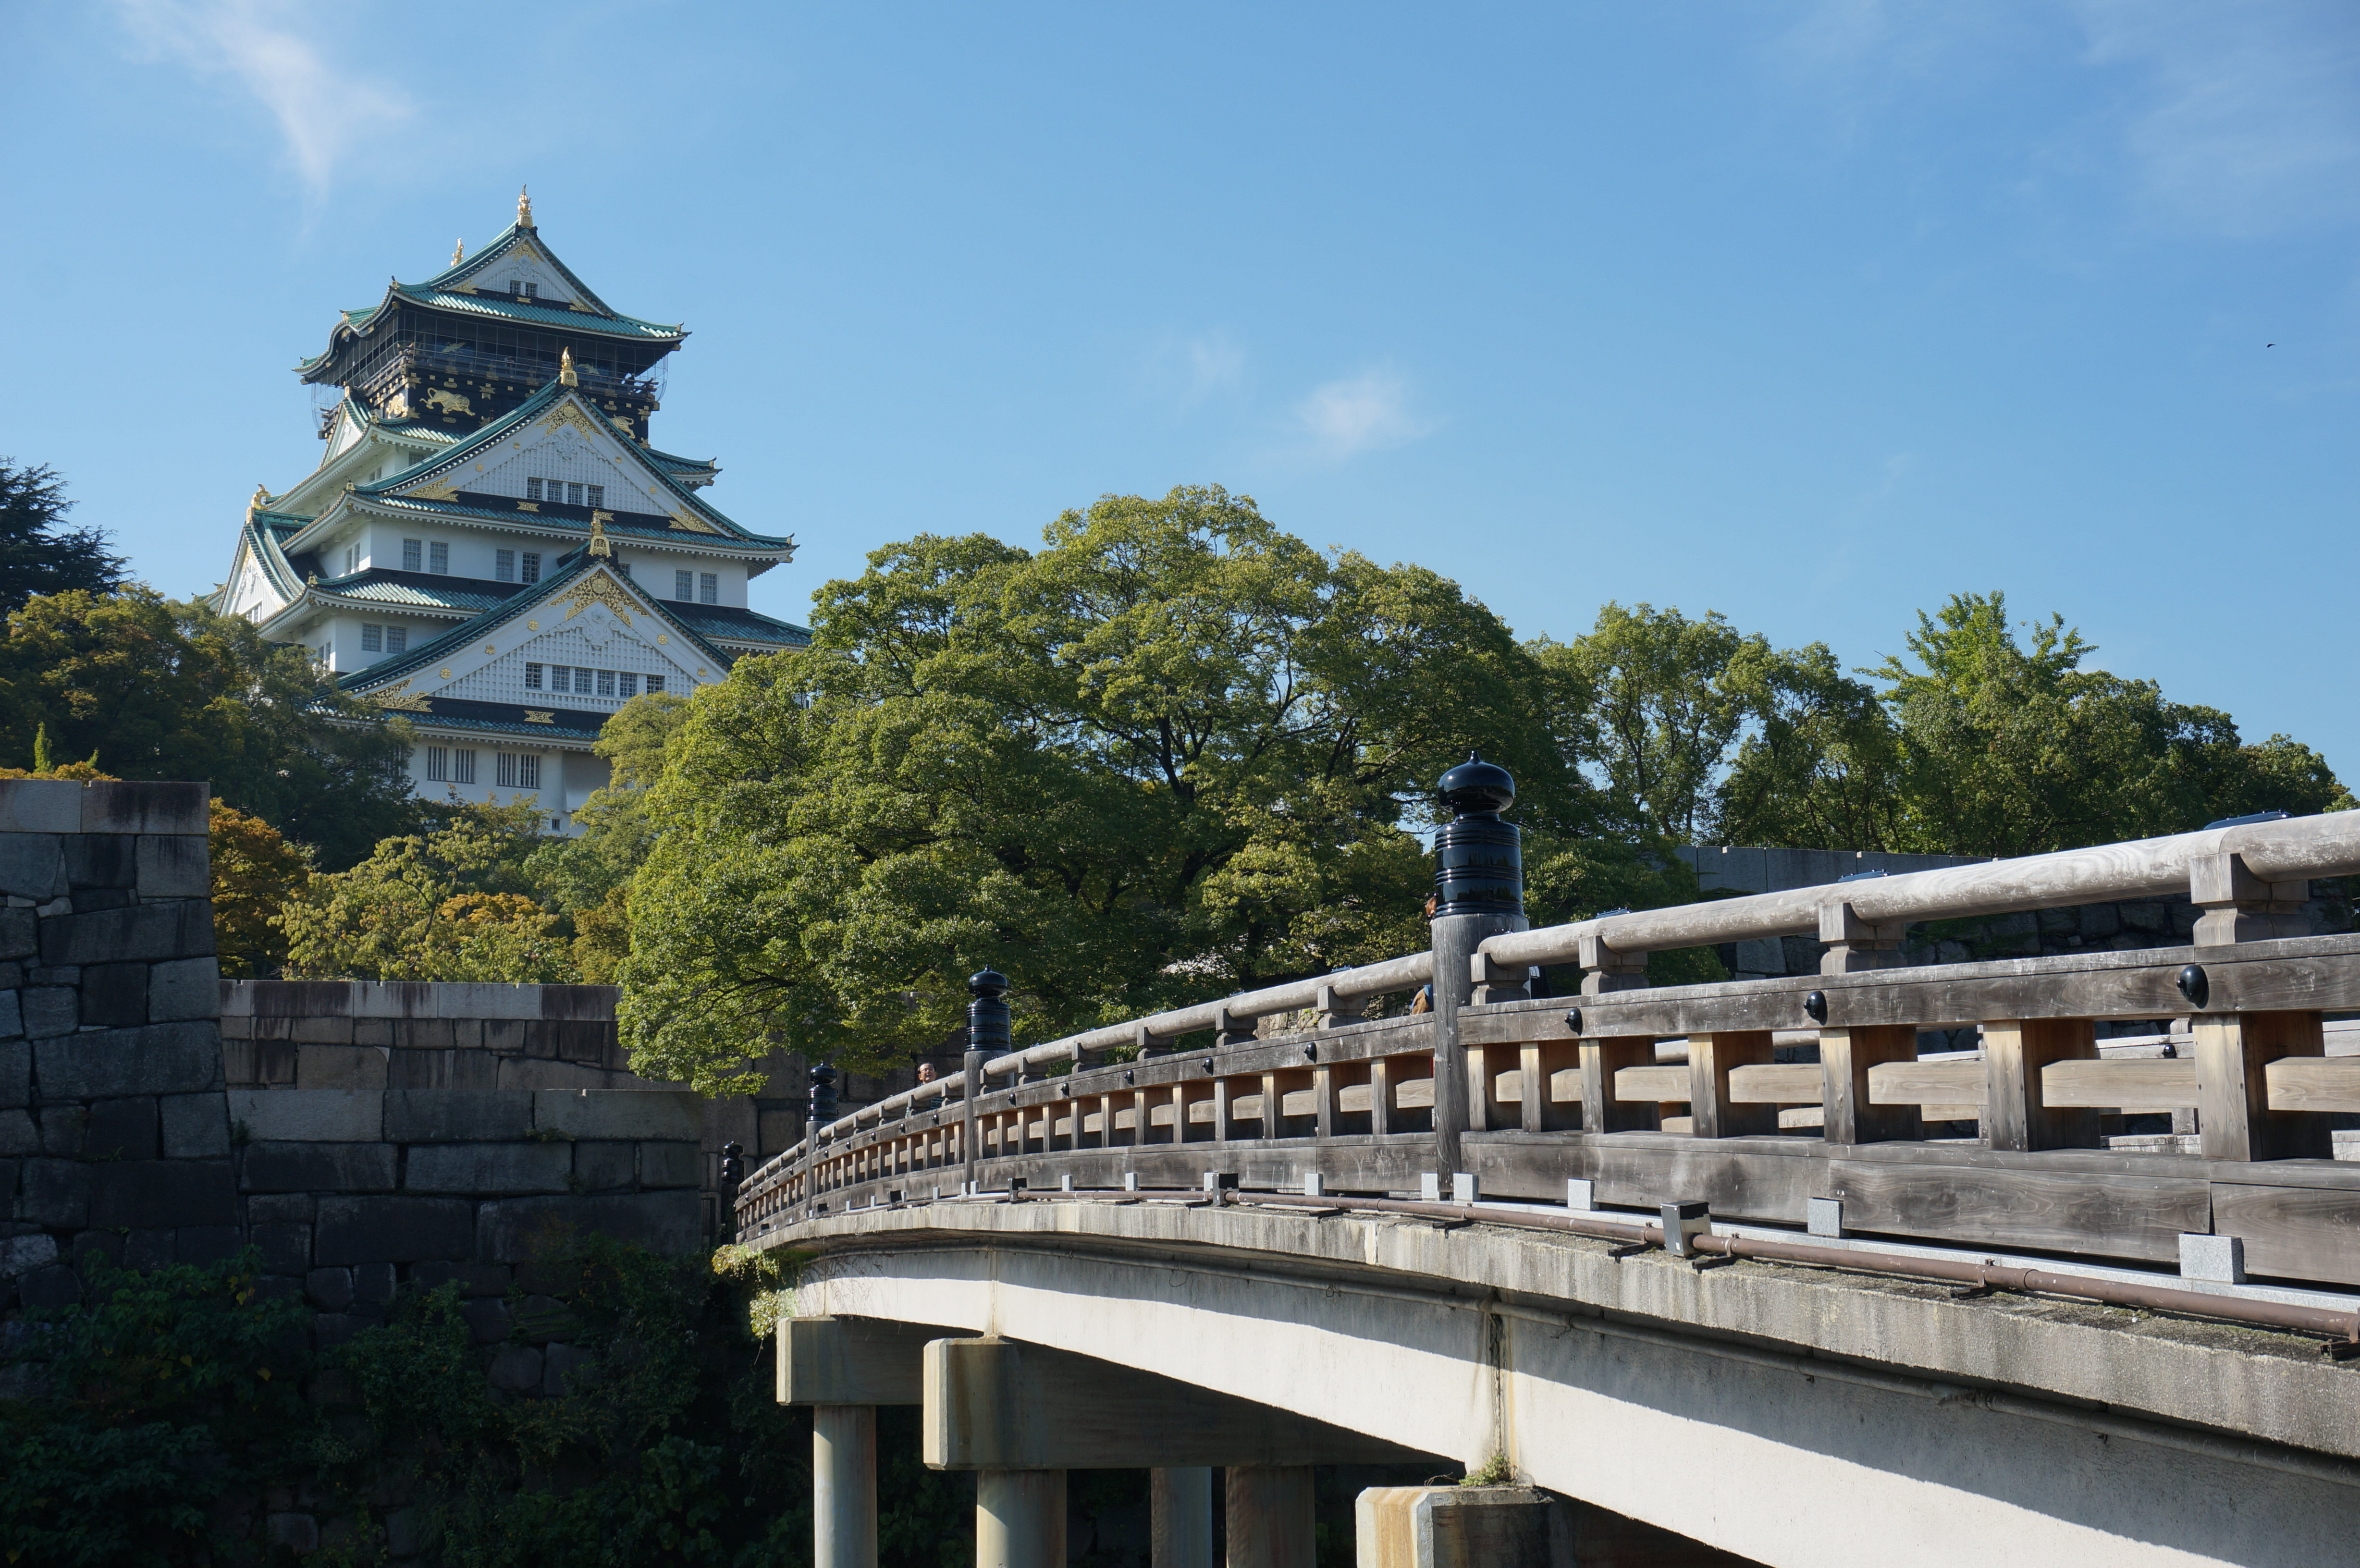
[(1271, 1517), (1020, 1519), (1182, 1501), (843, 1486)]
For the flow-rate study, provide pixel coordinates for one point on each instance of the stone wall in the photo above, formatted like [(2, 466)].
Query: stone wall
[(113, 1119), (359, 1136)]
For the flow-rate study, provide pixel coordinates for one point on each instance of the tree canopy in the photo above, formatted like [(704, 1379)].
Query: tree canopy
[(1172, 753), (39, 553), (158, 690)]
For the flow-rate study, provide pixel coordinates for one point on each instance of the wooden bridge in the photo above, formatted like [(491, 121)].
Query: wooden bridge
[(1855, 1305)]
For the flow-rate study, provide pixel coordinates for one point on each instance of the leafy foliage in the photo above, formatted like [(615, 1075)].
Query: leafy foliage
[(1173, 752), (162, 1395), (154, 690), (39, 553), (255, 873)]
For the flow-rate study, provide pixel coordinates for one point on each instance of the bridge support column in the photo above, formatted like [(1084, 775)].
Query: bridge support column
[(1020, 1519), (1271, 1516), (1182, 1501), (844, 1487)]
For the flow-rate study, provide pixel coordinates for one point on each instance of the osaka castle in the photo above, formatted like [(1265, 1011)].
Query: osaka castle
[(490, 544)]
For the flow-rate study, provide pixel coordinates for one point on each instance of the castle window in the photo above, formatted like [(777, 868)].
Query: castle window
[(574, 495), (531, 567), (629, 682), (463, 765), (438, 764), (532, 489), (413, 555), (397, 639), (517, 770), (372, 638), (708, 588), (438, 557), (582, 681), (504, 565), (528, 772), (523, 290), (605, 683), (533, 677), (655, 682), (683, 586), (598, 496), (349, 553)]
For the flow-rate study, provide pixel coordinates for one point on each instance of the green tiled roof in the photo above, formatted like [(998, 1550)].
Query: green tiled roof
[(381, 585), (545, 315), (740, 625)]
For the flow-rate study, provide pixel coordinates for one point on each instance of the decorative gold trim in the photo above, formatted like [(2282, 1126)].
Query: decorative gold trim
[(692, 523), (565, 376), (532, 717), (532, 626), (402, 698), (600, 545), (663, 637), (528, 506), (444, 492), (490, 648), (600, 588), (569, 414), (524, 206), (458, 251), (446, 673)]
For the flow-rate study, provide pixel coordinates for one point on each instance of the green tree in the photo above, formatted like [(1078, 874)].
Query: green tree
[(2009, 749), (256, 872), (588, 877), (156, 690), (1648, 695), (39, 553), (455, 903), (1173, 752), (1821, 766)]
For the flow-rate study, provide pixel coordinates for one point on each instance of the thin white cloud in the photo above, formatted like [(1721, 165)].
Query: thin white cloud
[(1360, 413), (2250, 117), (271, 48), (1186, 370)]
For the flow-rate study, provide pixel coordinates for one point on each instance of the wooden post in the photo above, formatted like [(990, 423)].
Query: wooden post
[(1845, 1057), (2232, 1096), (1601, 1059), (1323, 1089), (2017, 1112), (1711, 1112), (1381, 1095)]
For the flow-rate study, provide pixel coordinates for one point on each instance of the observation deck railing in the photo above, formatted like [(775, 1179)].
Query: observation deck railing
[(1652, 1095)]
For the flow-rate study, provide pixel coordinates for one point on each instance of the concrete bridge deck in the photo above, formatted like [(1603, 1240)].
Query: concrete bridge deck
[(1786, 1414)]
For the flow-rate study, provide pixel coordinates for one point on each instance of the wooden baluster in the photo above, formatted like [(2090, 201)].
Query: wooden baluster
[(2233, 1096), (1273, 1110), (2017, 1112), (1845, 1057), (1380, 1096), (1711, 1114), (1601, 1059), (1324, 1090)]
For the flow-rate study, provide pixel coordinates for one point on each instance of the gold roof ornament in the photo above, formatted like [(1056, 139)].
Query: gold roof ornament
[(260, 498), (599, 544), (566, 377), (524, 206), (458, 252)]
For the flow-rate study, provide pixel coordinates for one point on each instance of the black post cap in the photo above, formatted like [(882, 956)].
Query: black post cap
[(987, 983), (1476, 785)]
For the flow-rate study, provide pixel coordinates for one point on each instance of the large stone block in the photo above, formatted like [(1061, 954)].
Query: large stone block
[(393, 1230), (32, 865), (138, 1194), (174, 868), (19, 1136), (513, 1230), (120, 808), (184, 988), (340, 1066), (105, 860), (331, 1029), (489, 1168), (50, 1010), (307, 1115), (156, 1059), (122, 1130), (456, 1116), (16, 1072), (183, 927), (194, 1126), (40, 806), (12, 1022), (407, 1069), (54, 1193), (670, 1165), (529, 1073), (114, 995), (620, 1113), (317, 1168), (600, 1167), (20, 934), (286, 1249)]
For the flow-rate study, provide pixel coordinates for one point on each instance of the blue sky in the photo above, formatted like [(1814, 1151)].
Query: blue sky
[(1810, 313)]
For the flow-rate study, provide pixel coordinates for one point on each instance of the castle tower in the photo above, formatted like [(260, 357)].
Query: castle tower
[(489, 544)]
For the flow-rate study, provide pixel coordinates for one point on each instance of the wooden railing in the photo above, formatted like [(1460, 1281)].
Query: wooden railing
[(1652, 1095)]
